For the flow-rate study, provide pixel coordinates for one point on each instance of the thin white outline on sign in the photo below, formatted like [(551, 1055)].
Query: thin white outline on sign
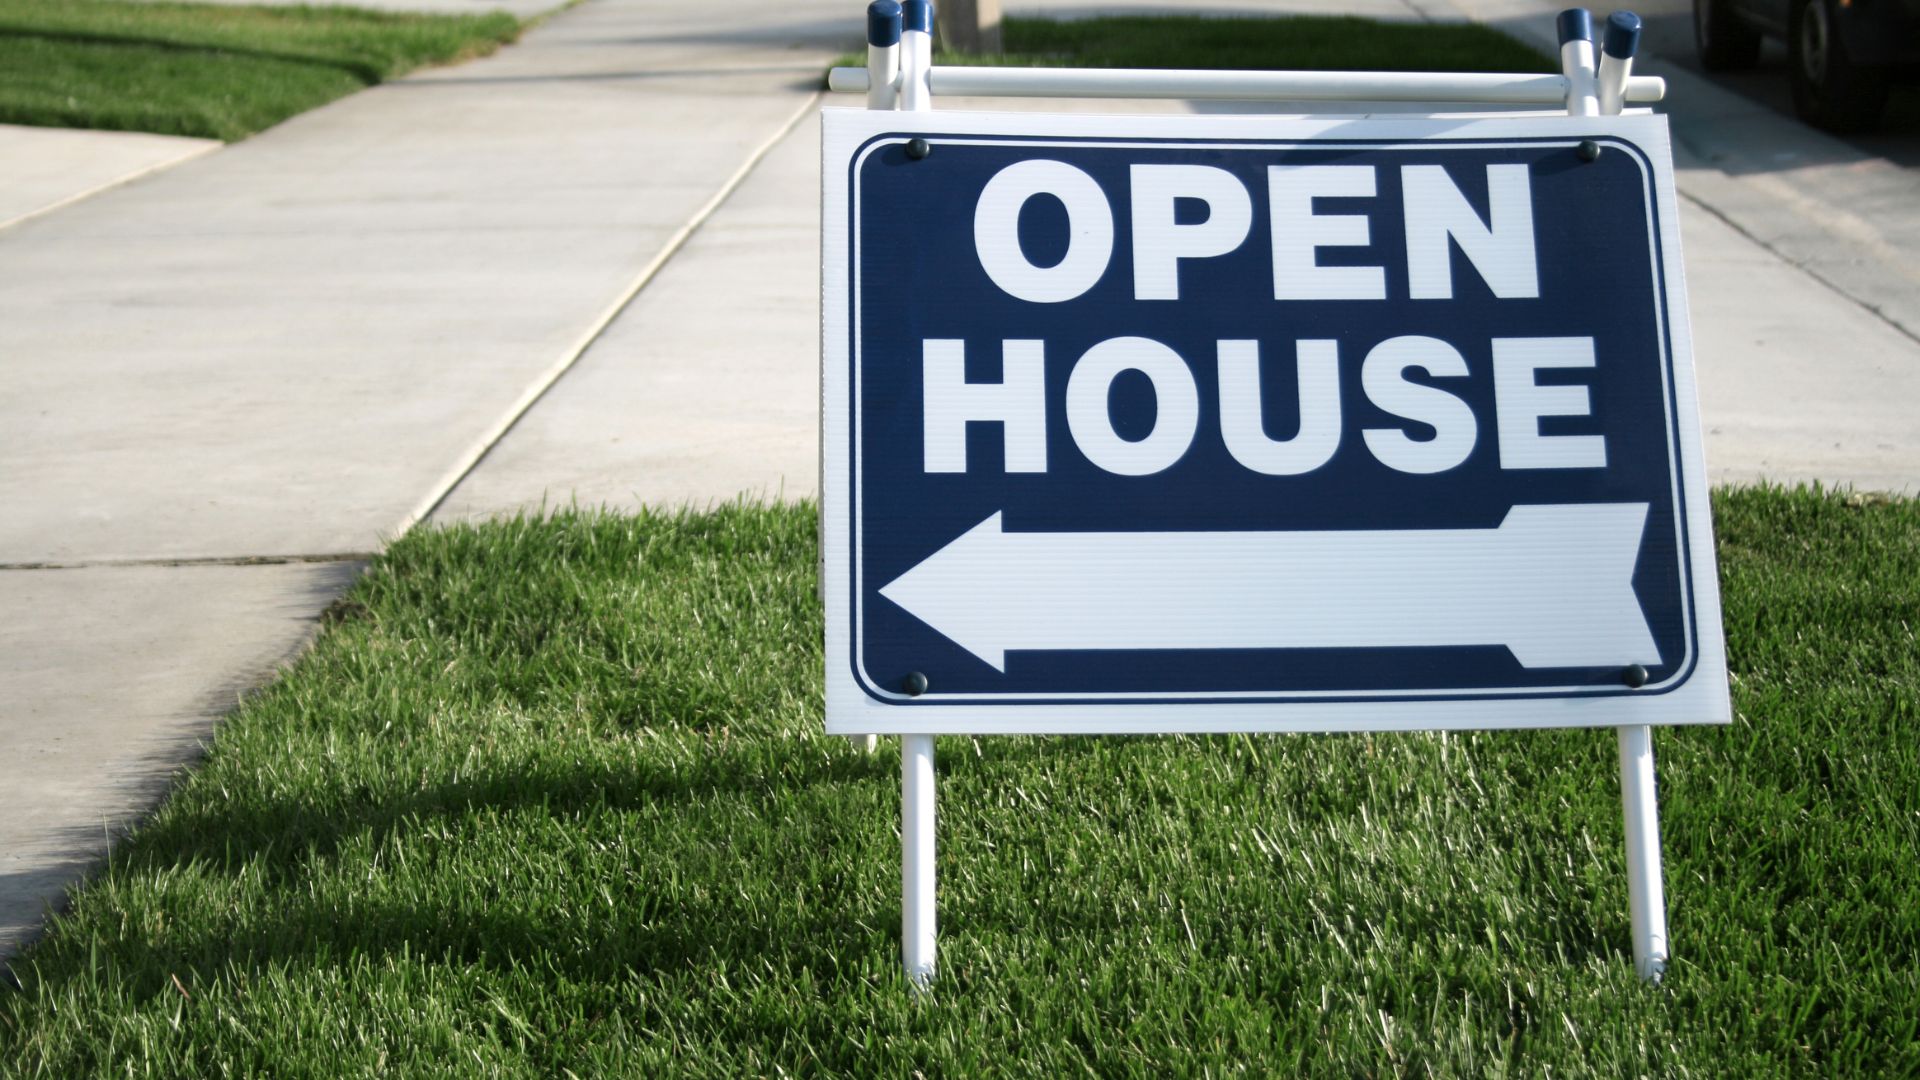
[(870, 686)]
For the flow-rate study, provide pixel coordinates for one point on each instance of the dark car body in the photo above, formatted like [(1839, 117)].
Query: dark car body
[(1874, 31), (1844, 54)]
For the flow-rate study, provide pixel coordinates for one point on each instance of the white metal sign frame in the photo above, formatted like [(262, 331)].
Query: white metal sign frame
[(860, 702), (900, 76)]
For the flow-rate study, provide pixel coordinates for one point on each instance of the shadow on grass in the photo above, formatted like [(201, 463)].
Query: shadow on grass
[(290, 833), (303, 916), (367, 74)]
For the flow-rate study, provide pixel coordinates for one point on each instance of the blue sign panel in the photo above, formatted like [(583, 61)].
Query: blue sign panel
[(1331, 419)]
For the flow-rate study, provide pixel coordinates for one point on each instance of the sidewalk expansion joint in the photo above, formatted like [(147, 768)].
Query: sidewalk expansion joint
[(478, 452), (108, 185), (1874, 310), (196, 560)]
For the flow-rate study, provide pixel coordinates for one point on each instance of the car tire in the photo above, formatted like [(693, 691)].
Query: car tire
[(1831, 90), (1723, 42)]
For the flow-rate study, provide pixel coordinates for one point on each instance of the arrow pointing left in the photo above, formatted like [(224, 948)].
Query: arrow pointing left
[(1553, 584)]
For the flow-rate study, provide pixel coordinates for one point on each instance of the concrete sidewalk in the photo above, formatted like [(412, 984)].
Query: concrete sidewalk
[(48, 168), (520, 9), (233, 381), (230, 381), (1803, 378)]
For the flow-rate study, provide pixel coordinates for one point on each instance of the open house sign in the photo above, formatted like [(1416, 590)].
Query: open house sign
[(1259, 424)]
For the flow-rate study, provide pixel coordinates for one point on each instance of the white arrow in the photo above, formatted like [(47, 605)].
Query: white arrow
[(1553, 583)]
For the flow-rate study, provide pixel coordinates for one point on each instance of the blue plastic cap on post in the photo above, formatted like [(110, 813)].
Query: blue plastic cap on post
[(919, 15), (1623, 35), (883, 23), (1576, 24)]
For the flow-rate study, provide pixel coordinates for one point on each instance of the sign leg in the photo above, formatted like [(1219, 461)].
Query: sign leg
[(1645, 893), (883, 92), (883, 54), (916, 751), (916, 856)]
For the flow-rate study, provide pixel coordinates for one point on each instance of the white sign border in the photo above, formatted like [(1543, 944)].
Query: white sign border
[(1701, 693)]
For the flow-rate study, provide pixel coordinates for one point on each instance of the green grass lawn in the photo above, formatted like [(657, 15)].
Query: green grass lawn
[(551, 798), (208, 70), (1277, 43)]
